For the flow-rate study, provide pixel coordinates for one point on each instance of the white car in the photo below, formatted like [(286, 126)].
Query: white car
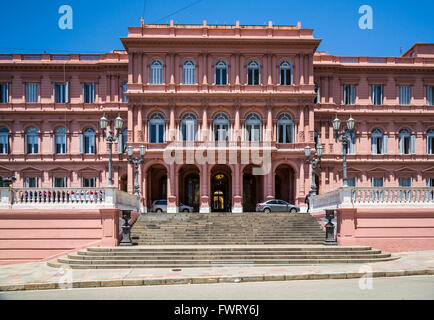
[(161, 206)]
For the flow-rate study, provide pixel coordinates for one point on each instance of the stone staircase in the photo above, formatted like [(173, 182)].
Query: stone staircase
[(216, 240), (227, 229)]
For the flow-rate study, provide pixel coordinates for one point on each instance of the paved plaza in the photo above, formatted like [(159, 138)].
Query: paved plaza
[(38, 276)]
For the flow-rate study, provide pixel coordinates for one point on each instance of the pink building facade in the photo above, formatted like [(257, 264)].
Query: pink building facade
[(213, 104)]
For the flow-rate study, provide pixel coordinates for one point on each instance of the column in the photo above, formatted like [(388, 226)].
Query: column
[(301, 136), (144, 189), (139, 124), (140, 68), (311, 123), (204, 194), (301, 66), (172, 206), (237, 203), (172, 127)]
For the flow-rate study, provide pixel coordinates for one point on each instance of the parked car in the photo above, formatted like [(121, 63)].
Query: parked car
[(161, 206), (276, 206)]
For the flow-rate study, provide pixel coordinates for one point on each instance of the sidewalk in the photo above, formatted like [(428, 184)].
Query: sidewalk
[(39, 276)]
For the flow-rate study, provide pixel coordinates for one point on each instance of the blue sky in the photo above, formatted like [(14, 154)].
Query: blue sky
[(31, 26)]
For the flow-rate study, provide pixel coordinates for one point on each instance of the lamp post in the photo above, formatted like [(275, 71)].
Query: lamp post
[(136, 162), (345, 139), (315, 164), (110, 138)]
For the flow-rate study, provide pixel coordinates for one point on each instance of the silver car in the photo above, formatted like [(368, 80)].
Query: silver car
[(161, 206), (276, 206)]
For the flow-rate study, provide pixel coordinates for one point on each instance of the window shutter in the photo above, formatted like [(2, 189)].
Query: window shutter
[(7, 92), (374, 145), (413, 144), (120, 144), (83, 91), (66, 92), (427, 144), (54, 92), (54, 144), (400, 144), (81, 143), (353, 94), (25, 143), (385, 144), (428, 95)]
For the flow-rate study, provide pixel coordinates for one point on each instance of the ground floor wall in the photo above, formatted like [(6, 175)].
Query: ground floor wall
[(35, 235), (389, 229)]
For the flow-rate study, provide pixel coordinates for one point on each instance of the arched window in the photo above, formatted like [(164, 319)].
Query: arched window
[(316, 138), (253, 73), (430, 141), (318, 94), (189, 127), (60, 141), (156, 72), (285, 73), (379, 142), (4, 140), (32, 141), (406, 142), (87, 142), (189, 72), (157, 124), (253, 127), (285, 129), (122, 142), (221, 73), (124, 90), (351, 146), (221, 127)]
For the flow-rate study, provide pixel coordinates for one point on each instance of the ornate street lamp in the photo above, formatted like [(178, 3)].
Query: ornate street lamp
[(345, 139), (110, 138), (315, 162), (136, 162)]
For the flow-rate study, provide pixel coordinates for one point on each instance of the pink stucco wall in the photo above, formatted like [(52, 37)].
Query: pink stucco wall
[(35, 235), (392, 229)]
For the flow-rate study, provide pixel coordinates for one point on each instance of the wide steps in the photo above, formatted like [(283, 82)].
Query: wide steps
[(212, 256)]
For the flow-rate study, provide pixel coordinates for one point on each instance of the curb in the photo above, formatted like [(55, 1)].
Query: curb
[(205, 280)]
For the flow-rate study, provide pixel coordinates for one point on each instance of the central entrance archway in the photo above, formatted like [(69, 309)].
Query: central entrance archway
[(221, 189), (253, 189), (156, 183), (189, 186), (285, 183)]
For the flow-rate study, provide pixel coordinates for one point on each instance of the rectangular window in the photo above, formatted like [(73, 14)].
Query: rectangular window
[(4, 143), (59, 182), (253, 133), (377, 94), (88, 182), (253, 76), (32, 144), (430, 182), (430, 95), (61, 92), (405, 182), (404, 95), (429, 195), (349, 94), (89, 144), (221, 132), (221, 76), (430, 144), (352, 182), (32, 92), (89, 92), (31, 182), (4, 92), (124, 89), (60, 143), (378, 182), (157, 133)]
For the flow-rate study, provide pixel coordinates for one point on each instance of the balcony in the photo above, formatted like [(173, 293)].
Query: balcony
[(366, 197), (67, 198)]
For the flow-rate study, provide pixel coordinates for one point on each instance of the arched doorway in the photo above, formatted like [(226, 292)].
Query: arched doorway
[(123, 183), (285, 183), (221, 189), (253, 189), (189, 186), (156, 183)]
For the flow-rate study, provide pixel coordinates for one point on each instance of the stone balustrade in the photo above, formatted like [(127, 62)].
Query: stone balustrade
[(359, 197), (67, 198)]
